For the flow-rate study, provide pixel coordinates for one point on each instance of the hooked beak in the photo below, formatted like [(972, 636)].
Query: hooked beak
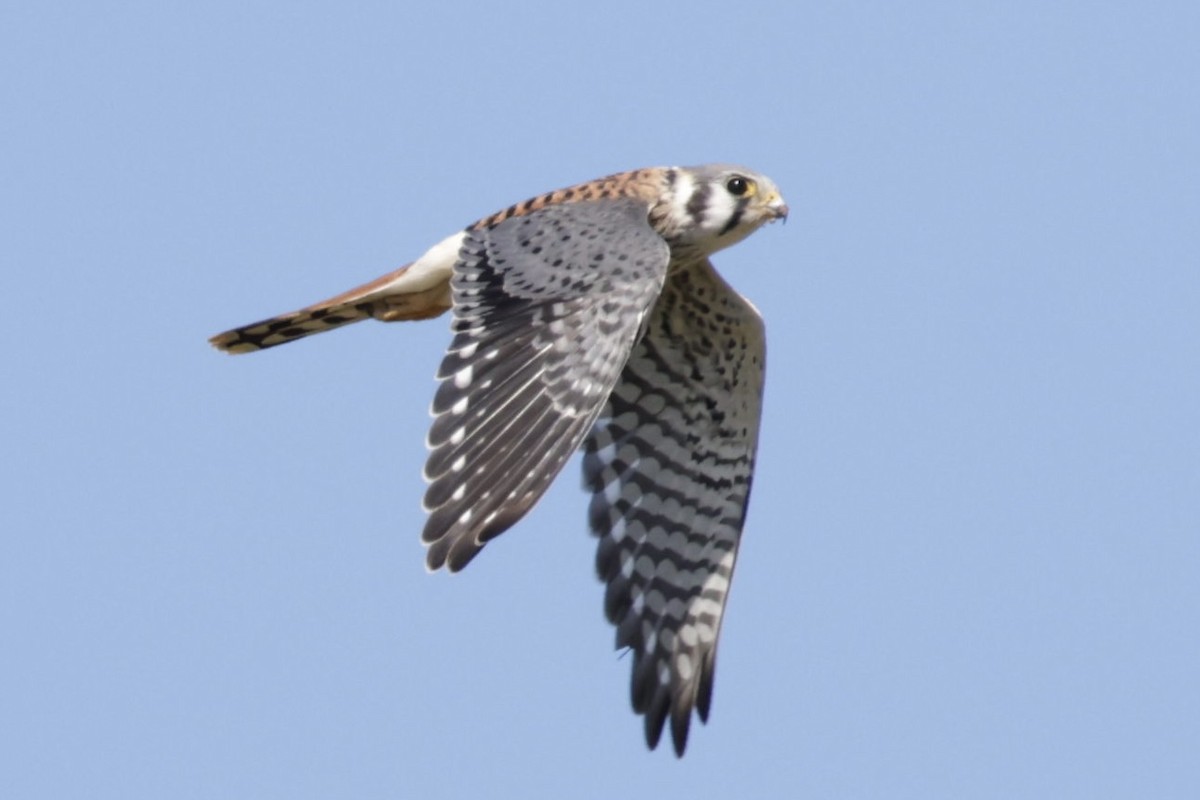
[(777, 208)]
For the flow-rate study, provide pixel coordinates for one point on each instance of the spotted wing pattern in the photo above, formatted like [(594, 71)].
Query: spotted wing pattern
[(669, 462), (547, 307)]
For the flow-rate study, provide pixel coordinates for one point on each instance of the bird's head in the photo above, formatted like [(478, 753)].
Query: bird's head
[(711, 207)]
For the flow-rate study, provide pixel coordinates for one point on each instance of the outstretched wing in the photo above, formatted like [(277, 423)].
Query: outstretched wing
[(547, 307), (669, 462)]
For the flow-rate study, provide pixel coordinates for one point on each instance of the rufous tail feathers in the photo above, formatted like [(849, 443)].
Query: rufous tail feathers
[(390, 298)]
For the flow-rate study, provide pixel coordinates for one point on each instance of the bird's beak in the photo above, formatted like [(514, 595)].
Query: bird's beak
[(777, 208)]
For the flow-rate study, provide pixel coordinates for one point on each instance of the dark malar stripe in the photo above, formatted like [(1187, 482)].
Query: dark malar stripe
[(736, 217)]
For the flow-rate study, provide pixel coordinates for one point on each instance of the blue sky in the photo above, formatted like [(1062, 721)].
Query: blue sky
[(970, 566)]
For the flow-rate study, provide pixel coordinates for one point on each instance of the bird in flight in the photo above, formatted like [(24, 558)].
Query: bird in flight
[(591, 316)]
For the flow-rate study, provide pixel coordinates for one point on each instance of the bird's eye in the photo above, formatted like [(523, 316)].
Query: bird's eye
[(737, 185)]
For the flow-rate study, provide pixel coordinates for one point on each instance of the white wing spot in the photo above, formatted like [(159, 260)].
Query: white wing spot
[(462, 378), (458, 435), (717, 581), (664, 674), (617, 530), (458, 464), (459, 492), (608, 452), (687, 635), (703, 605), (460, 405), (683, 663)]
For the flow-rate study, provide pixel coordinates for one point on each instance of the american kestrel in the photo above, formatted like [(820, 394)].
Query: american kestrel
[(591, 315)]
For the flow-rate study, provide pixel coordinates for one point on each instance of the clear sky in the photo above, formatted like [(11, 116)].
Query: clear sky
[(972, 561)]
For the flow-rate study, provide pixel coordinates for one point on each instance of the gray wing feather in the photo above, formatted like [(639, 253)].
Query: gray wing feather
[(547, 307), (669, 462)]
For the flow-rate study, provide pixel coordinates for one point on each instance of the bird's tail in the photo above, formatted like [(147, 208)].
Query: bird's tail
[(397, 296), (289, 327)]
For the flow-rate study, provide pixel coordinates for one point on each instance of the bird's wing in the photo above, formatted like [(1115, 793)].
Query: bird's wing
[(547, 307), (669, 462)]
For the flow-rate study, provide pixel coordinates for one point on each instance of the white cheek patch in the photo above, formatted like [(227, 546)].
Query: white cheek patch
[(721, 208), (683, 189)]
